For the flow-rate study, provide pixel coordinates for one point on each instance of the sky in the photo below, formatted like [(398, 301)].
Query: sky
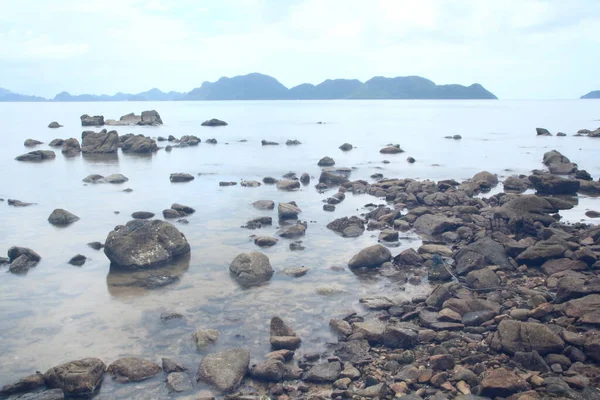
[(517, 49)]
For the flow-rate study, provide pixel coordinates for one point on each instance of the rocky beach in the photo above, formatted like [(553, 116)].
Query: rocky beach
[(210, 259)]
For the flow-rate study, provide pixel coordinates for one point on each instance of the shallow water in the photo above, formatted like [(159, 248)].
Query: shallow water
[(58, 312)]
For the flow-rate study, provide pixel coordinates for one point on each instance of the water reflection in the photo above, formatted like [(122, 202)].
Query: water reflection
[(105, 159)]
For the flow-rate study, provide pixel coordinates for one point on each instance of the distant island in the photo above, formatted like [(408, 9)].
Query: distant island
[(257, 86), (592, 95)]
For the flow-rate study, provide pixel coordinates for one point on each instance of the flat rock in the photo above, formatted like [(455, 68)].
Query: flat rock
[(133, 369), (224, 370), (181, 177), (250, 269), (179, 382), (116, 178), (27, 384), (513, 336), (264, 204), (430, 224), (288, 185), (324, 373), (371, 257), (214, 122), (501, 383), (37, 155), (76, 378)]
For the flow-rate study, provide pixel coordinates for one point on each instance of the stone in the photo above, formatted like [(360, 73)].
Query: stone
[(181, 177), (62, 217), (341, 326), (326, 162), (27, 384), (250, 269), (513, 336), (50, 394), (288, 210), (139, 144), (292, 231), (142, 215), (370, 257), (354, 351), (293, 142), (76, 378), (305, 178), (172, 214), (372, 331), (484, 278), (285, 342), (265, 241), (532, 361), (411, 160), (288, 185), (323, 373), (96, 120), (586, 309), (501, 383), (348, 226), (32, 143), (389, 235), (554, 266), (442, 362), (214, 122), (346, 147), (116, 178), (179, 382), (296, 272), (37, 155), (435, 224), (78, 260), (542, 132), (170, 366), (205, 337), (133, 369), (271, 370), (391, 150), (543, 251), (54, 125), (399, 338), (264, 205), (487, 177), (145, 244), (224, 370), (102, 142), (552, 184)]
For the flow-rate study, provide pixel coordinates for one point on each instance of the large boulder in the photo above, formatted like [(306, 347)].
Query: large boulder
[(542, 132), (551, 184), (76, 378), (96, 120), (133, 369), (99, 142), (391, 150), (487, 177), (543, 251), (150, 118), (214, 122), (431, 224), (21, 259), (62, 217), (370, 257), (37, 155), (326, 162), (224, 370), (139, 144), (513, 336), (348, 227), (71, 147), (145, 244), (288, 210), (250, 269)]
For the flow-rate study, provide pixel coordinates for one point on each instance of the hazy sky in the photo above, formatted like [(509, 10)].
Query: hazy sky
[(515, 48)]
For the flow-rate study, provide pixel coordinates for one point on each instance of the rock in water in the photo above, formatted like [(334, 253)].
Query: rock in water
[(264, 204), (214, 122), (250, 269), (179, 382), (391, 150), (76, 378), (139, 144), (56, 142), (27, 384), (181, 177), (224, 370), (346, 147), (288, 185), (102, 142), (324, 373), (62, 217), (54, 125), (205, 337), (32, 143), (371, 257), (551, 184), (326, 162), (288, 210), (96, 120), (132, 369), (542, 132), (78, 260), (142, 215), (71, 147), (145, 244), (37, 155), (116, 178), (150, 117), (513, 336)]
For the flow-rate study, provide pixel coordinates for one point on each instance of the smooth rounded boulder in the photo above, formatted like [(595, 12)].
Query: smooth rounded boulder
[(250, 269), (37, 155), (214, 122), (62, 217), (145, 244), (132, 369), (224, 370), (54, 125), (370, 257)]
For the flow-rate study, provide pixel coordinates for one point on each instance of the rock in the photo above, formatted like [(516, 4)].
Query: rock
[(224, 370), (295, 272), (179, 382), (251, 269), (211, 141), (288, 210), (348, 227), (71, 147), (268, 143), (501, 383), (292, 231), (142, 215), (145, 244), (187, 141), (554, 266), (326, 162), (484, 278), (305, 178), (172, 214), (341, 326), (205, 337), (181, 177), (396, 337), (250, 183), (56, 143), (32, 143), (442, 362), (271, 370), (492, 252), (78, 260), (285, 342), (371, 257), (150, 117), (214, 122), (294, 142), (435, 224), (531, 361), (227, 183), (437, 270), (346, 147), (27, 384), (411, 160), (265, 241), (334, 177), (96, 120), (409, 257), (139, 144), (551, 184), (37, 155), (324, 373), (592, 214), (93, 178), (170, 366), (99, 142), (288, 185), (587, 309), (391, 150), (18, 203), (264, 205), (259, 222), (542, 132), (132, 369), (515, 184), (50, 394), (487, 177), (76, 378), (62, 217), (54, 125), (543, 251), (116, 178), (388, 235), (513, 336)]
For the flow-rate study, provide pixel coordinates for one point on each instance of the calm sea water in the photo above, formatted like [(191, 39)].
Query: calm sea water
[(58, 312)]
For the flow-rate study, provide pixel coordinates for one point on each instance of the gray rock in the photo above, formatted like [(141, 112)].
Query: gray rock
[(179, 382), (18, 203), (224, 370), (170, 366), (513, 336), (27, 384), (542, 132), (492, 251), (37, 155), (487, 177), (116, 178), (271, 370), (334, 177), (264, 204), (268, 143), (354, 351), (397, 337), (295, 272), (543, 251), (292, 231), (102, 142), (93, 178), (293, 142), (205, 337), (346, 147), (288, 210), (551, 184), (288, 185), (145, 244), (142, 215), (150, 117), (139, 144), (54, 125), (305, 178), (371, 257), (484, 278), (250, 269), (211, 141), (435, 224), (265, 241), (326, 162), (32, 143), (172, 214), (133, 369), (56, 142), (181, 177), (71, 147), (515, 184), (76, 378), (324, 373), (62, 217), (50, 394), (348, 227), (96, 120), (214, 122), (78, 260), (187, 141), (391, 150)]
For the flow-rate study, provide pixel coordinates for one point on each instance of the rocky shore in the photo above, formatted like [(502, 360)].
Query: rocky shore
[(514, 310)]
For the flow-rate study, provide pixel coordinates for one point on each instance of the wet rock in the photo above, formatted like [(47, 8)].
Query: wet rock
[(139, 144), (326, 162), (116, 178), (487, 177), (288, 185), (592, 214), (411, 160), (268, 180), (145, 244), (142, 215), (78, 260), (341, 326), (250, 269), (96, 120), (295, 272), (93, 178), (181, 177), (334, 177), (397, 337), (305, 178), (285, 342), (513, 336), (542, 132), (268, 143), (294, 142), (515, 184), (435, 224), (259, 222), (297, 246), (224, 370), (354, 351), (328, 207), (265, 241), (551, 184), (32, 143), (37, 155), (288, 210), (214, 122), (102, 142), (172, 214), (205, 337), (271, 370), (18, 203), (27, 384), (54, 125), (391, 150), (187, 141), (543, 251), (484, 278), (250, 183), (211, 141), (71, 147), (227, 183), (62, 217), (587, 309), (292, 231), (442, 362), (264, 204), (492, 252), (323, 373), (501, 383), (76, 378), (346, 147), (554, 266), (179, 382), (170, 366), (409, 257), (56, 142), (371, 257), (348, 227), (437, 270), (132, 369), (50, 394)]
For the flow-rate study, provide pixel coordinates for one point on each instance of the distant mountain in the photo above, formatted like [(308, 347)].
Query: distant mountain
[(592, 95), (257, 86)]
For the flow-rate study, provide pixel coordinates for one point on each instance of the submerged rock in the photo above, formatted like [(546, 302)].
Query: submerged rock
[(37, 155), (62, 217), (371, 257), (145, 244), (133, 369), (78, 260), (54, 125), (32, 143), (181, 177), (76, 378), (346, 147), (224, 370), (214, 122), (179, 382), (250, 269), (205, 337)]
